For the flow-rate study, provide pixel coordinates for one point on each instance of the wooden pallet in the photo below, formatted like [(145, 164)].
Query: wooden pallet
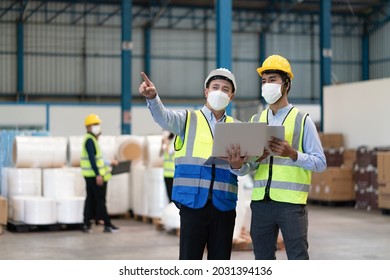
[(123, 216), (348, 203), (15, 226), (385, 211)]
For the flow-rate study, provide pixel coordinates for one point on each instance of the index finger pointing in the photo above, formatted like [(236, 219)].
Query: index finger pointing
[(146, 79)]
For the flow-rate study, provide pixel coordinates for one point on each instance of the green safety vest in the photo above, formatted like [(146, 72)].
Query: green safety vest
[(169, 164), (277, 175), (85, 164)]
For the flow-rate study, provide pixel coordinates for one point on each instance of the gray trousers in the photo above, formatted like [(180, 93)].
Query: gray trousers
[(270, 216)]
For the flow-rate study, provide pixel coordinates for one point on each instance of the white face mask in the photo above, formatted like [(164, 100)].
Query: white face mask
[(271, 92), (96, 129), (218, 100)]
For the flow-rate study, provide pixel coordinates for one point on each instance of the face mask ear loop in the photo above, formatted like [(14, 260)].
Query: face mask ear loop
[(284, 88)]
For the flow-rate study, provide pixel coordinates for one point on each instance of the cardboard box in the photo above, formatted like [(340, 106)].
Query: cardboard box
[(3, 210), (337, 185), (384, 196), (349, 158), (315, 186), (383, 167), (334, 156), (331, 140)]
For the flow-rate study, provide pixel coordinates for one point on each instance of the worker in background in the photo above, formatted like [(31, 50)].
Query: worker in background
[(96, 173), (205, 194), (168, 154), (282, 182)]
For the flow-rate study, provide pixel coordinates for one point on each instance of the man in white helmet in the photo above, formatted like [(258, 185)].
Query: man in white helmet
[(281, 182), (205, 194)]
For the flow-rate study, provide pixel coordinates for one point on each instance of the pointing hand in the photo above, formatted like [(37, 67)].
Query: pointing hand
[(147, 88)]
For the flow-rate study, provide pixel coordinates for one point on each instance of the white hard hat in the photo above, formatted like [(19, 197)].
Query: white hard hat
[(221, 73)]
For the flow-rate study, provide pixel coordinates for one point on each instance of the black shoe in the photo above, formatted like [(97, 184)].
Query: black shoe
[(86, 229), (111, 229)]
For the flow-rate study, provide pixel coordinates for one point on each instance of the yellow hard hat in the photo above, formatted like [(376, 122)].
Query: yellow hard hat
[(92, 119), (276, 62)]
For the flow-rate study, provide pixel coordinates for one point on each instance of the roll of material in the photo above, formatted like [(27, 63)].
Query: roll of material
[(24, 181), (75, 144), (40, 211), (157, 195), (80, 185), (170, 217), (130, 147), (39, 151), (107, 145), (140, 200), (18, 207), (59, 183), (117, 194), (70, 210), (152, 148)]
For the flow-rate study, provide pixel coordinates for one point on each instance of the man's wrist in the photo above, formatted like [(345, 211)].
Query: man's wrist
[(235, 168)]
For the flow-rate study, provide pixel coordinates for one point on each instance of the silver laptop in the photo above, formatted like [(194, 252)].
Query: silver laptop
[(250, 136)]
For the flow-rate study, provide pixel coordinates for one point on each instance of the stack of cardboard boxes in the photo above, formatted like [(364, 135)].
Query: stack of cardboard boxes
[(3, 213), (365, 178), (335, 184), (383, 161)]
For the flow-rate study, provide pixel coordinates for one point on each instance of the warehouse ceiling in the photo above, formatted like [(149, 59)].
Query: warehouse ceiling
[(354, 7), (357, 7), (248, 15)]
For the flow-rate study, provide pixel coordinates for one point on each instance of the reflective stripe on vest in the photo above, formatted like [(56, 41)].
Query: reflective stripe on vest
[(288, 183), (85, 164), (169, 164), (192, 178)]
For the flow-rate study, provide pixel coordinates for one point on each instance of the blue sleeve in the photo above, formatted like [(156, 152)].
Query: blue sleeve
[(90, 147)]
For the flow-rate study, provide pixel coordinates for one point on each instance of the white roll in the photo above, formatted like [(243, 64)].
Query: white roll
[(130, 147), (24, 181), (140, 201), (170, 217), (79, 184), (18, 207), (152, 148), (70, 210), (58, 183), (107, 145), (75, 144), (157, 194), (40, 211), (117, 194), (39, 151)]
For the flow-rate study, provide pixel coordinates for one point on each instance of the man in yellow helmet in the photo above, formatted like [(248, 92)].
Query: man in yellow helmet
[(206, 194), (282, 181), (96, 173)]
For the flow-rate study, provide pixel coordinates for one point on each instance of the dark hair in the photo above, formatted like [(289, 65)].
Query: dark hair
[(283, 75), (219, 77), (171, 136)]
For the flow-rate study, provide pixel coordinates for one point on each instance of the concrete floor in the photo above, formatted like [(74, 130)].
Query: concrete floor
[(335, 233)]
